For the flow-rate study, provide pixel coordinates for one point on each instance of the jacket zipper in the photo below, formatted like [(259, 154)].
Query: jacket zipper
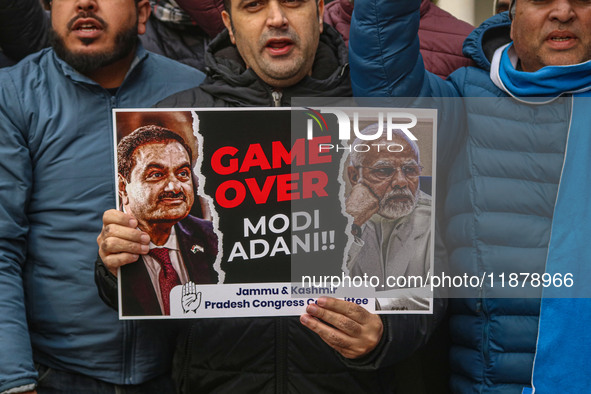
[(129, 328), (188, 345), (276, 98), (281, 355), (280, 328), (129, 361)]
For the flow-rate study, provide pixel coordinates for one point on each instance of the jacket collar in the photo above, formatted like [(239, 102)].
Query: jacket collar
[(482, 43), (425, 6), (140, 55), (230, 80)]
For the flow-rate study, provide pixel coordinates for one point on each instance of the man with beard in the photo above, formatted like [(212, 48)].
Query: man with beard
[(180, 32), (156, 187), (56, 180), (391, 215)]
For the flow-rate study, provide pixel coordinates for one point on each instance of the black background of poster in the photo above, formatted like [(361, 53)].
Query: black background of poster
[(240, 129)]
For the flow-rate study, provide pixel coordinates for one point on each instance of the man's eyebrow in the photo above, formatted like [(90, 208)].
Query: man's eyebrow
[(154, 165), (387, 163), (382, 163), (158, 166), (185, 164), (411, 162), (242, 2)]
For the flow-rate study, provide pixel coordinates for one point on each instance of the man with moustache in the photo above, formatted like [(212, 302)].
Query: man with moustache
[(56, 180), (272, 51), (391, 215), (156, 187), (179, 32), (512, 159)]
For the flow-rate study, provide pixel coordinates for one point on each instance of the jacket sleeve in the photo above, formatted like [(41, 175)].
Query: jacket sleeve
[(384, 52), (24, 27), (16, 361), (206, 13), (106, 284)]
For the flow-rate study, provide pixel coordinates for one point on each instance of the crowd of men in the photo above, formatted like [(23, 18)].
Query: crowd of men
[(506, 185)]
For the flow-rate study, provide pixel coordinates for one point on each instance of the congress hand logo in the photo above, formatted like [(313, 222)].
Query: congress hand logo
[(191, 298)]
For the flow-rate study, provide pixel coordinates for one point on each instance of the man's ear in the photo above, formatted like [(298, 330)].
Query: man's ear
[(321, 14), (512, 16), (122, 190), (353, 174), (143, 13), (227, 19)]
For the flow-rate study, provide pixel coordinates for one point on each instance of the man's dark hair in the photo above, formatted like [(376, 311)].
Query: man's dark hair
[(141, 136)]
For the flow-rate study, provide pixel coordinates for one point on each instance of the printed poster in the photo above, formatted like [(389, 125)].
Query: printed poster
[(258, 212)]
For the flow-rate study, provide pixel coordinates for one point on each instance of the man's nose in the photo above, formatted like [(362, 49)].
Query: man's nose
[(276, 15), (562, 11), (399, 179), (173, 185), (86, 5)]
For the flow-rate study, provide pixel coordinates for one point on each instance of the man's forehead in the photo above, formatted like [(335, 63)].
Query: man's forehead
[(239, 2), (398, 158), (380, 155), (161, 151)]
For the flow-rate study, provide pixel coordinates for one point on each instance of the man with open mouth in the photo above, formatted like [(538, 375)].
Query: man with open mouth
[(512, 159), (57, 153), (274, 50)]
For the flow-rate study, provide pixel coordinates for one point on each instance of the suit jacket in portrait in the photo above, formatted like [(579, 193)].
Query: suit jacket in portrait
[(405, 252), (198, 246)]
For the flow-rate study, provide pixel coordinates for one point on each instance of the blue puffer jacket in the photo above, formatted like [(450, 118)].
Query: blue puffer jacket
[(502, 161), (56, 179)]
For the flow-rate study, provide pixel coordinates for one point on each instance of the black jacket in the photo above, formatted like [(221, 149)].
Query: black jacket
[(24, 29), (280, 355), (230, 84), (185, 44)]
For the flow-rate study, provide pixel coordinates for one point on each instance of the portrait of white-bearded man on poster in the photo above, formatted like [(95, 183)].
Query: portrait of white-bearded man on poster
[(155, 185), (391, 215)]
